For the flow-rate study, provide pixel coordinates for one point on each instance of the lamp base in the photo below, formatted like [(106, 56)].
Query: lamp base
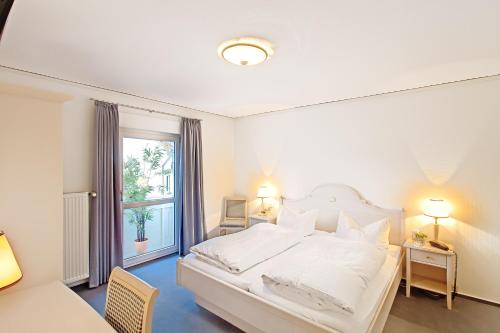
[(436, 231), (263, 210)]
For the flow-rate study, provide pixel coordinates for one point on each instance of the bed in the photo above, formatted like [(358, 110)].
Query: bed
[(242, 300)]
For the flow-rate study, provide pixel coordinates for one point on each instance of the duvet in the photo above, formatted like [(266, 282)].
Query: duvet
[(239, 251), (325, 273)]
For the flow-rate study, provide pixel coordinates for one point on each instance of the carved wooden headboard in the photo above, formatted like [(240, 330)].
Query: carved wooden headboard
[(330, 199)]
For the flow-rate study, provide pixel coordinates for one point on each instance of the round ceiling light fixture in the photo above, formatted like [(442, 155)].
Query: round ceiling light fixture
[(245, 51)]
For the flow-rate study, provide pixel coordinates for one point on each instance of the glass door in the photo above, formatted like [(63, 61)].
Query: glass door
[(149, 195)]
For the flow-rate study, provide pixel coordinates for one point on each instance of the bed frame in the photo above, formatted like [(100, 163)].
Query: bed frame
[(252, 313)]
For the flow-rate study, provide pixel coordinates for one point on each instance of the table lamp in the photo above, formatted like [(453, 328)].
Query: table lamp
[(262, 193), (437, 209), (10, 271)]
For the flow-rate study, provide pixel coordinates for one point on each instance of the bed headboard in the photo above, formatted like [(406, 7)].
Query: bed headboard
[(330, 199)]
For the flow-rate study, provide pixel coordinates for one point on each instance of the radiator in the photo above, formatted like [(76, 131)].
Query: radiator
[(76, 238)]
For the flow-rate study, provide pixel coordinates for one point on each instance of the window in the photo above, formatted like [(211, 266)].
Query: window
[(149, 195)]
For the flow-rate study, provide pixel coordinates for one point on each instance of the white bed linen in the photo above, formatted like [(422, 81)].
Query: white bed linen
[(240, 251), (326, 273), (341, 321), (237, 280), (241, 280), (251, 280)]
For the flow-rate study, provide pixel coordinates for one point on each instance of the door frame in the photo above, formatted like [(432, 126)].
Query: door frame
[(160, 136)]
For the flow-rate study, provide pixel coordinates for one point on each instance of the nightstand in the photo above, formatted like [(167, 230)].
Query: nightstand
[(254, 219), (428, 255)]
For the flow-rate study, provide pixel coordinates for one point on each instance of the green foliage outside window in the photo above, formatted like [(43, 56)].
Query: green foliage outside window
[(137, 174)]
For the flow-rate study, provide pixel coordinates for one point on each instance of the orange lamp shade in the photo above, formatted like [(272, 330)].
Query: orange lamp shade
[(9, 269), (437, 208)]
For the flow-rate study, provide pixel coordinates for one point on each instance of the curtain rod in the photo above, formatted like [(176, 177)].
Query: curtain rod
[(142, 109)]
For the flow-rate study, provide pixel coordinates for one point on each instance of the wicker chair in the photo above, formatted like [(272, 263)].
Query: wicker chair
[(129, 303)]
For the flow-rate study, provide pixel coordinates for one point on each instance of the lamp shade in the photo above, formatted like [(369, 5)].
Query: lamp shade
[(264, 192), (437, 208), (10, 271)]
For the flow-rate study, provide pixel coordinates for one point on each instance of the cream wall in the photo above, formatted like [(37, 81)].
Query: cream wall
[(31, 181), (397, 150), (78, 136)]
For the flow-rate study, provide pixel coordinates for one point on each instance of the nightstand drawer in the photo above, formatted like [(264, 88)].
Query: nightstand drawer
[(427, 257)]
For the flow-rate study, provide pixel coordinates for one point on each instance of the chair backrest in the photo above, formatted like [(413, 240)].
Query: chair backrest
[(235, 208), (129, 303)]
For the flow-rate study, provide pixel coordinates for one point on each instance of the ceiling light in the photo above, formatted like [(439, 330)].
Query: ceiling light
[(245, 51)]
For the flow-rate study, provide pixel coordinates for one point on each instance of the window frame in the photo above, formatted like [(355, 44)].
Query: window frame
[(158, 136)]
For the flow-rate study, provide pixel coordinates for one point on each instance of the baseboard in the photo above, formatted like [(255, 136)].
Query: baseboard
[(472, 298), (480, 300), (77, 283)]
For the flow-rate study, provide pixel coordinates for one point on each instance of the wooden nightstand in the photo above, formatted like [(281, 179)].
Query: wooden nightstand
[(254, 219), (428, 255)]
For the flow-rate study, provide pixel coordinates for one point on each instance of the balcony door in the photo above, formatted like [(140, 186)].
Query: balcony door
[(149, 195)]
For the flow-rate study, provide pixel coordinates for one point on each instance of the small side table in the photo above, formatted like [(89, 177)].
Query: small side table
[(254, 219), (429, 255)]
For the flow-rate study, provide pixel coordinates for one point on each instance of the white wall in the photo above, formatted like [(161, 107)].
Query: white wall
[(31, 181), (397, 150), (78, 136)]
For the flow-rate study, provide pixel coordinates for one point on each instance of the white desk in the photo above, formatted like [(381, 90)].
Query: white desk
[(49, 308)]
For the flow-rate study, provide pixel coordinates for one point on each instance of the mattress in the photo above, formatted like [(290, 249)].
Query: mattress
[(251, 281)]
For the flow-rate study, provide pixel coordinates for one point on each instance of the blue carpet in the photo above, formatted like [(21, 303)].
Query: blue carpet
[(175, 309)]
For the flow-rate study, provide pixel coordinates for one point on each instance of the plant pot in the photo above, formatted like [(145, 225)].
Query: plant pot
[(419, 242), (141, 247)]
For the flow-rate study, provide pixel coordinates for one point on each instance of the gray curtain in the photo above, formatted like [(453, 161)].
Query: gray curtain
[(192, 212), (106, 250)]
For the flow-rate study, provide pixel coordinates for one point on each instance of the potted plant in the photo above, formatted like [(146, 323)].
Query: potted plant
[(420, 238), (137, 174), (139, 217)]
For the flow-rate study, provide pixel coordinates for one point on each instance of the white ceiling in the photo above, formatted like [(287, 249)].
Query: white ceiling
[(324, 49)]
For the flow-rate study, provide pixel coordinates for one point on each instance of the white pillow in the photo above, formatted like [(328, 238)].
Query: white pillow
[(304, 223), (376, 233)]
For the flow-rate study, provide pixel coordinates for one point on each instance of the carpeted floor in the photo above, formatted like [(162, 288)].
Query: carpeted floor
[(176, 311)]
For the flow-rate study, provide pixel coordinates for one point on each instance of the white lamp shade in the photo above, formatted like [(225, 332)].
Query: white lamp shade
[(245, 55), (245, 51), (264, 192), (10, 271), (437, 208)]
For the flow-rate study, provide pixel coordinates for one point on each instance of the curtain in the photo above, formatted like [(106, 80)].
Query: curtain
[(106, 249), (192, 212)]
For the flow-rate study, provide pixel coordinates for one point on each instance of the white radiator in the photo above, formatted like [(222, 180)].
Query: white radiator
[(76, 238)]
